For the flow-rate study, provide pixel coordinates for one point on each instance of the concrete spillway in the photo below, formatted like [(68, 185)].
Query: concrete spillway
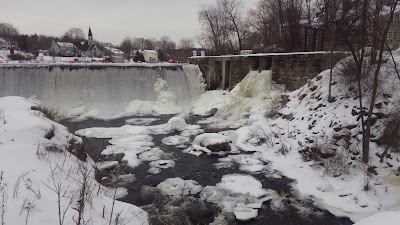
[(108, 88)]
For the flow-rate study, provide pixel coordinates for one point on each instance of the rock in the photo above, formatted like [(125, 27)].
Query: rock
[(302, 97), (284, 99), (350, 127), (219, 147), (212, 112)]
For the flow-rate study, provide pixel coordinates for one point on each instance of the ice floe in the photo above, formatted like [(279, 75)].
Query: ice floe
[(179, 187)]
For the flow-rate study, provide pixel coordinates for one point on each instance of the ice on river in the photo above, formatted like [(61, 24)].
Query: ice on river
[(238, 194), (136, 142), (179, 187)]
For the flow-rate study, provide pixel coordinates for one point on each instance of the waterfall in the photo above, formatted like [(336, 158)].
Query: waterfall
[(108, 89)]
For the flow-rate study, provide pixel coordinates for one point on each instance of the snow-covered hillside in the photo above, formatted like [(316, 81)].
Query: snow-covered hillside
[(318, 143), (41, 182)]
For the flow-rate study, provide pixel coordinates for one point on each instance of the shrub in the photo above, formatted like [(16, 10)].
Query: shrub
[(49, 112), (77, 149), (391, 134), (16, 57)]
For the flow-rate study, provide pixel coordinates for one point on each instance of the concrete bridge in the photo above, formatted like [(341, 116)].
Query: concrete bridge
[(291, 69)]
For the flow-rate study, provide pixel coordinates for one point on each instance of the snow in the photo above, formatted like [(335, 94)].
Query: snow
[(386, 218), (312, 119), (207, 101), (201, 142), (243, 184), (28, 178)]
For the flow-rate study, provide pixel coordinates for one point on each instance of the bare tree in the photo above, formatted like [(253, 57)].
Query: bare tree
[(186, 43), (213, 29), (74, 34), (166, 43), (8, 30), (126, 46), (232, 12), (3, 198)]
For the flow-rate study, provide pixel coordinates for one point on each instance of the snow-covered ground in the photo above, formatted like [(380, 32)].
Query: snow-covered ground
[(36, 168)]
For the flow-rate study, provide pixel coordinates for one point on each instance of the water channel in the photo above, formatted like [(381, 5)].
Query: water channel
[(201, 168)]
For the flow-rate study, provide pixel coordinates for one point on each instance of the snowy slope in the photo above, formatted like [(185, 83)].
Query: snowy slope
[(318, 143), (32, 170)]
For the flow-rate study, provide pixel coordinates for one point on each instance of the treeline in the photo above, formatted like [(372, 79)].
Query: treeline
[(285, 25), (165, 46)]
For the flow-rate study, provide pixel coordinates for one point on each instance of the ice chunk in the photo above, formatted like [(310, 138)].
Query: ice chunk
[(244, 184), (131, 159), (140, 121), (151, 155), (178, 187), (107, 165), (154, 170), (193, 151), (176, 124), (208, 139), (175, 140), (162, 164), (244, 213)]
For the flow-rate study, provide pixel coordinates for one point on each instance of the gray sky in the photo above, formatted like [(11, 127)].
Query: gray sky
[(110, 20)]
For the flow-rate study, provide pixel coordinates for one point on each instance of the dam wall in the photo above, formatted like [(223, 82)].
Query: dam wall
[(290, 69), (107, 88)]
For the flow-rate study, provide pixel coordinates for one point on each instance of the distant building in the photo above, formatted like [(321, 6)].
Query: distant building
[(65, 49), (8, 44), (116, 55), (88, 48), (150, 56)]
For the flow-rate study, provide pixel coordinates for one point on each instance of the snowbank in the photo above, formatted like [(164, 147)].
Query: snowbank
[(386, 218), (35, 164), (309, 121)]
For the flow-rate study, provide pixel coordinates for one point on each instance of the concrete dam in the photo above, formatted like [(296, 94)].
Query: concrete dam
[(108, 89)]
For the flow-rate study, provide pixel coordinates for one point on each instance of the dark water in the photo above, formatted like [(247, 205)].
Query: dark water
[(201, 169)]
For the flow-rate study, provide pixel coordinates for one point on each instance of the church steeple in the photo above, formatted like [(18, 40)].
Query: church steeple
[(90, 36)]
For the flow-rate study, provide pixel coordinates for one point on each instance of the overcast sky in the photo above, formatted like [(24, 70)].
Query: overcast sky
[(110, 20)]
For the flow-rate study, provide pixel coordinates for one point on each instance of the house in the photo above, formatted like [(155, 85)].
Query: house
[(88, 48), (8, 44), (150, 56), (63, 49), (116, 55)]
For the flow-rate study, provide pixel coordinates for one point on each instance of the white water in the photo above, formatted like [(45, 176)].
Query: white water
[(107, 91)]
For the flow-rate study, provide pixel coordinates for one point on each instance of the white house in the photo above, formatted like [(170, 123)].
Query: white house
[(7, 44), (150, 56), (63, 48), (116, 55)]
